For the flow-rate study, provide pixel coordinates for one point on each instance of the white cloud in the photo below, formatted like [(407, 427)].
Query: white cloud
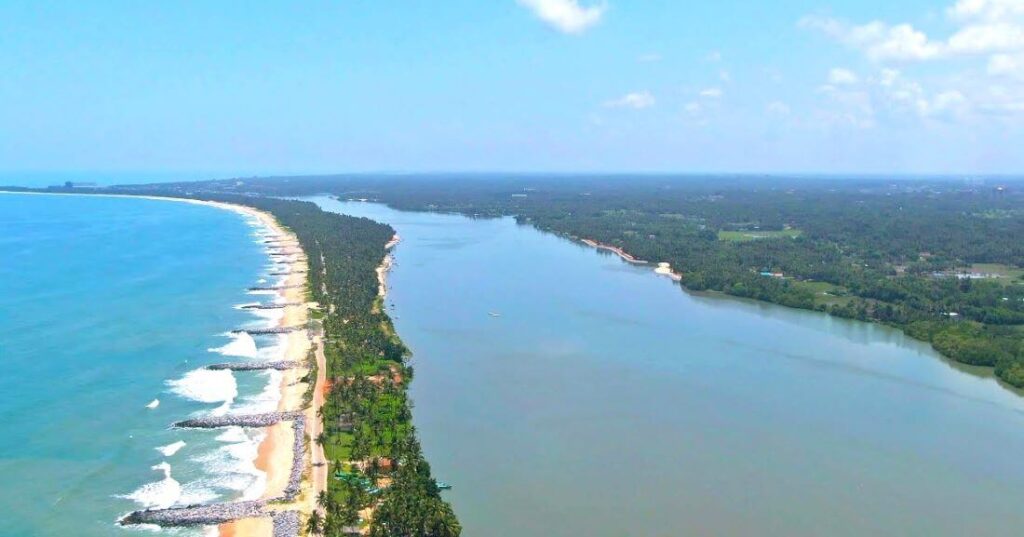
[(1006, 65), (983, 27), (566, 16), (713, 57), (778, 108), (693, 108), (977, 76), (900, 42), (890, 95), (992, 10), (636, 100), (839, 76), (711, 93), (649, 57), (948, 100), (985, 38), (724, 76), (878, 40)]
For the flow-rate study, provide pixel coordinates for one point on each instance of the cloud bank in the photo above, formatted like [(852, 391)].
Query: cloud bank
[(566, 16)]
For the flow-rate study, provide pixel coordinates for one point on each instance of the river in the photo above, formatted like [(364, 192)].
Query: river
[(602, 400)]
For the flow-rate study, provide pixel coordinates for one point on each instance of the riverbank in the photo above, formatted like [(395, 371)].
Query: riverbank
[(614, 249), (663, 268), (385, 267)]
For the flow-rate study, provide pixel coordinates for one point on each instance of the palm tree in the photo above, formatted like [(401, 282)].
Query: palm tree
[(315, 524), (322, 500)]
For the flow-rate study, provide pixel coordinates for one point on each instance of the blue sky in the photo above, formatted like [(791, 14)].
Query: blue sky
[(226, 88)]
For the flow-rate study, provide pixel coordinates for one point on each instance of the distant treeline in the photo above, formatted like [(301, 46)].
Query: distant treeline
[(871, 249)]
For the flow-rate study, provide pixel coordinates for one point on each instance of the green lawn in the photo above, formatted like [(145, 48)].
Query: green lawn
[(1006, 273), (743, 236), (824, 293), (337, 447)]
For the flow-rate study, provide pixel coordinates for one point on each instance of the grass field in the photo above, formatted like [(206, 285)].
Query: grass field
[(338, 447), (743, 236), (824, 293), (1006, 272)]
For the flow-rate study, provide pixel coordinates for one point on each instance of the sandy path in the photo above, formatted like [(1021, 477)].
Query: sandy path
[(320, 469)]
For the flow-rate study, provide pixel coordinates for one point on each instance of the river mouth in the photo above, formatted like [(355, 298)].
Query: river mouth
[(562, 391)]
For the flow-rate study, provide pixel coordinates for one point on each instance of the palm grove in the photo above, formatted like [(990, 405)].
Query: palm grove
[(375, 459)]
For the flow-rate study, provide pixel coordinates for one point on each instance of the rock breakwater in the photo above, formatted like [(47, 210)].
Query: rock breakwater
[(197, 515), (238, 420)]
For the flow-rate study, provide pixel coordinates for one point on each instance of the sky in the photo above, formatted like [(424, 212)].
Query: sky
[(225, 88)]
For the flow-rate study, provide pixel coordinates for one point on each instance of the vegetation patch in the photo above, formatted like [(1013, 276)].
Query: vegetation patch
[(743, 236)]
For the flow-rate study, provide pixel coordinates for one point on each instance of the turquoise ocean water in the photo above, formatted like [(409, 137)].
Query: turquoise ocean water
[(108, 308)]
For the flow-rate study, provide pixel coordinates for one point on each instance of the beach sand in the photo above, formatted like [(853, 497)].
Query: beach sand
[(275, 452), (615, 249)]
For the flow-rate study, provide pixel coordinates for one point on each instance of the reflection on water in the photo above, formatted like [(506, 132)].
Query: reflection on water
[(604, 401)]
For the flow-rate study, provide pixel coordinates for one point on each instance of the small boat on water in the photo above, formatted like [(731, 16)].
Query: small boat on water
[(494, 314), (441, 485)]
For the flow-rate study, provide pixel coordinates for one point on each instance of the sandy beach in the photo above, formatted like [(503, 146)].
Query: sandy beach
[(275, 452), (663, 268), (618, 251), (385, 267)]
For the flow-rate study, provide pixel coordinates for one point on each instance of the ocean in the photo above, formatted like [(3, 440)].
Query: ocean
[(109, 310)]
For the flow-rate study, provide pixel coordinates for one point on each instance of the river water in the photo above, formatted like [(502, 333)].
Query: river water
[(605, 401)]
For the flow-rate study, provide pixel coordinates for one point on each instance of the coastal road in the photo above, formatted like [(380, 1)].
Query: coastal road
[(320, 470)]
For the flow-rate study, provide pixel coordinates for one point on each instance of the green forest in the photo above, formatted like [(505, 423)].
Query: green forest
[(938, 258)]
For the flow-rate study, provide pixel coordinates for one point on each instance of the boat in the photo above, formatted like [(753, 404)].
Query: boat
[(441, 485), (494, 314)]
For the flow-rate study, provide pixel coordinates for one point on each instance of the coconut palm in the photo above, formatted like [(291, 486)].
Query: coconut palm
[(315, 524)]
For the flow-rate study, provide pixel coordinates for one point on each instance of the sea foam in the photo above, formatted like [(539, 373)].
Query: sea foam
[(206, 386), (232, 466), (171, 449), (265, 401), (160, 494), (241, 344)]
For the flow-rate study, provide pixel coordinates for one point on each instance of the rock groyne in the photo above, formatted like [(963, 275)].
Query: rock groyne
[(197, 515), (286, 524), (277, 306), (276, 288), (267, 331), (280, 365), (237, 420), (298, 452), (287, 273)]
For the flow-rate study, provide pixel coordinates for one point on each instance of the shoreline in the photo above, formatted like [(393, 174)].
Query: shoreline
[(274, 455), (614, 249), (662, 269), (385, 267)]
